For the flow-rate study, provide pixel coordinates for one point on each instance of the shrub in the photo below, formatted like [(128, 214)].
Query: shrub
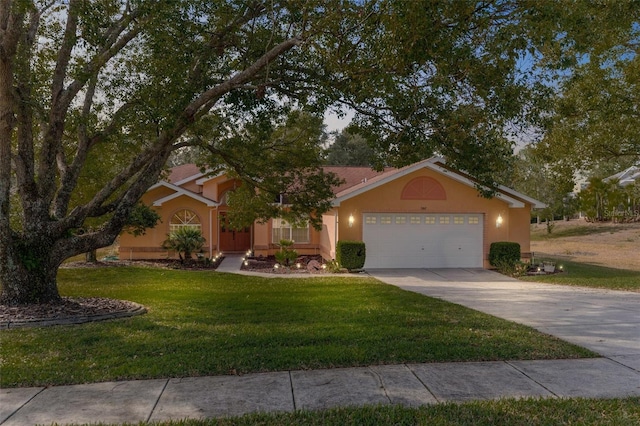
[(504, 254), (351, 254), (519, 269), (333, 266), (185, 240), (286, 256)]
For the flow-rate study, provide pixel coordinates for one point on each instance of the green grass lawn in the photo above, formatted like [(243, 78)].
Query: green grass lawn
[(586, 275), (208, 323), (525, 412), (540, 233)]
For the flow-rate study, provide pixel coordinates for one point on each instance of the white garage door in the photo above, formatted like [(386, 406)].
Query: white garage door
[(423, 240)]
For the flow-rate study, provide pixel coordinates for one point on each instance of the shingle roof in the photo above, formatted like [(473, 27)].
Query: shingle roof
[(182, 172), (359, 179), (353, 176)]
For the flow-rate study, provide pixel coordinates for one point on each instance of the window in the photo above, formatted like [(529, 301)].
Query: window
[(473, 220), (458, 220), (430, 220), (416, 219), (444, 220), (184, 219), (401, 220), (385, 220), (371, 220), (283, 230)]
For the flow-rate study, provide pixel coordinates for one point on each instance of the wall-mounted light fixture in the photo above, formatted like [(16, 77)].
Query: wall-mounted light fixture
[(351, 220), (499, 221)]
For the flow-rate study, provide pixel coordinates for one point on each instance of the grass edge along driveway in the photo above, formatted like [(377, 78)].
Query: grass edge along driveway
[(208, 323), (589, 275)]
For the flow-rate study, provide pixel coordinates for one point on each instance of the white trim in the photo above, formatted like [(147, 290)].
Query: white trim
[(534, 203), (210, 233), (375, 182), (204, 179), (179, 192), (188, 179), (431, 165), (513, 203)]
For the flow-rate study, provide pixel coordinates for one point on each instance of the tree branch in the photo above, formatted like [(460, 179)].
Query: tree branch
[(69, 175), (239, 78), (62, 98)]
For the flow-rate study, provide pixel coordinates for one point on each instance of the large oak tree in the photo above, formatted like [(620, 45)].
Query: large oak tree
[(115, 85)]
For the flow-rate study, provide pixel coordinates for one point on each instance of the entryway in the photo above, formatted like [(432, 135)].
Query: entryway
[(233, 240)]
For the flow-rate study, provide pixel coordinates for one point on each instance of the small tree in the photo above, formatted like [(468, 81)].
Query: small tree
[(286, 256), (185, 240)]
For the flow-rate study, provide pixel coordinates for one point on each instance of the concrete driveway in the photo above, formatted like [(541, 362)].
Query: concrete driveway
[(605, 321)]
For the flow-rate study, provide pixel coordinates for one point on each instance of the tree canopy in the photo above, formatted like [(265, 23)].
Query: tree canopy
[(593, 122), (95, 95), (349, 149)]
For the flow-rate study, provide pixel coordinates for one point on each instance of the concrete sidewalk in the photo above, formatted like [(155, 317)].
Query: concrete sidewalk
[(407, 384), (606, 322)]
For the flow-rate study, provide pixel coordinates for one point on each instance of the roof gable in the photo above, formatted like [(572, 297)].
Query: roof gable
[(356, 180), (178, 193), (626, 177), (509, 196)]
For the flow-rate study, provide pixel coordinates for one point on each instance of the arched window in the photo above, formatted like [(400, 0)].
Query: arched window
[(184, 218), (423, 188)]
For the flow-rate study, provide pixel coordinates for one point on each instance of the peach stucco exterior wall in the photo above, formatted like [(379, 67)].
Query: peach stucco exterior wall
[(214, 188), (263, 245), (460, 198), (328, 235), (261, 241), (148, 246), (520, 230)]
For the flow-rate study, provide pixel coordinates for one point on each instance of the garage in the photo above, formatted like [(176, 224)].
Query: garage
[(410, 240)]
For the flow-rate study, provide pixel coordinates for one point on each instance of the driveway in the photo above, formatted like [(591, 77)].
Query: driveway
[(605, 321)]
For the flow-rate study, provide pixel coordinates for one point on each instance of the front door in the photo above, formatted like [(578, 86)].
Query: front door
[(232, 240)]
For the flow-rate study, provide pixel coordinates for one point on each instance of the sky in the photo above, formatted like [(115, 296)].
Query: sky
[(333, 122)]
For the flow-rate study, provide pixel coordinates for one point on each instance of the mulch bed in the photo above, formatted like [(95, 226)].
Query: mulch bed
[(80, 310), (192, 264), (68, 310), (269, 265)]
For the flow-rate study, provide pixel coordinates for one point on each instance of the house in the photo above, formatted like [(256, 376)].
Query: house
[(626, 177), (422, 215)]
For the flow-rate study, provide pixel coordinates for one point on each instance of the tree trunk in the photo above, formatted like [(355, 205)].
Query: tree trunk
[(28, 276), (91, 256)]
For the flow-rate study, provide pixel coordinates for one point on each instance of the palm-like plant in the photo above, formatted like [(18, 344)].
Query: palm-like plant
[(287, 255), (185, 240)]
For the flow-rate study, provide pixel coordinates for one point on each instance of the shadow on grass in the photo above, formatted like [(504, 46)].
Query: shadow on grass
[(208, 323)]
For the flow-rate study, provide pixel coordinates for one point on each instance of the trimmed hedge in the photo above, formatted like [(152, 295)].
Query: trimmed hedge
[(504, 253), (351, 254)]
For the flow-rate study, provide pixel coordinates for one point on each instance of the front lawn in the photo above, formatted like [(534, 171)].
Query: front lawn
[(209, 323), (586, 275)]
